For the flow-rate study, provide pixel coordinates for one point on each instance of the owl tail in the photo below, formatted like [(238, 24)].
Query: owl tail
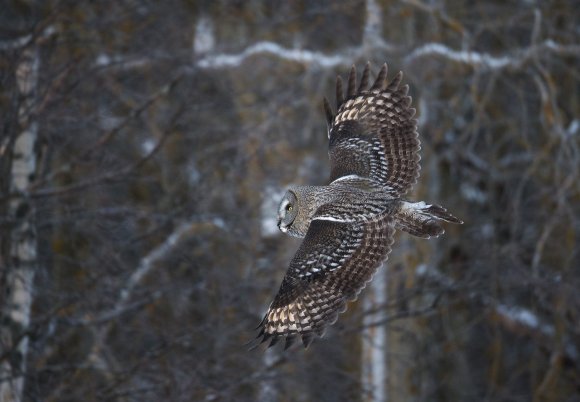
[(422, 220)]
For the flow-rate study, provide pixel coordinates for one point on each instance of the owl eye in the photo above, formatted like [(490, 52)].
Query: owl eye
[(289, 207)]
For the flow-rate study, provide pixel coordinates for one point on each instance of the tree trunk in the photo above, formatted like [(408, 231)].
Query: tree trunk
[(19, 257), (374, 338)]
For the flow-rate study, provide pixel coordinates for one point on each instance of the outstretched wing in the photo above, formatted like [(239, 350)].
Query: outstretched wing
[(373, 133), (332, 265)]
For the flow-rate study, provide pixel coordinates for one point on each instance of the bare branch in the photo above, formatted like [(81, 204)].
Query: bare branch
[(183, 231)]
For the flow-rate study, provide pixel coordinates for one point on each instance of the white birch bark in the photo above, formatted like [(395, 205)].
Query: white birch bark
[(22, 259), (374, 340)]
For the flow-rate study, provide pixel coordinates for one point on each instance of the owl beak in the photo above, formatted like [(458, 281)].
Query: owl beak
[(282, 227)]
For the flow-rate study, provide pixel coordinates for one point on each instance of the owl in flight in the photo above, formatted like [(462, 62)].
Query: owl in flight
[(348, 225)]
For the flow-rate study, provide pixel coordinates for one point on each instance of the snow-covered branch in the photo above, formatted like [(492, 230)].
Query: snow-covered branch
[(522, 317), (15, 43), (486, 60), (148, 263), (511, 317), (27, 39), (265, 47)]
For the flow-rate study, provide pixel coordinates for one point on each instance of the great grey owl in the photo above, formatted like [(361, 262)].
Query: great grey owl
[(348, 225)]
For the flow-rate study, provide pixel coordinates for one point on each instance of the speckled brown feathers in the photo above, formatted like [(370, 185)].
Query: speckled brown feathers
[(373, 133), (332, 265)]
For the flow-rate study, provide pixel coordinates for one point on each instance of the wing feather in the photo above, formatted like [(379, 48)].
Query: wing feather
[(331, 267), (374, 134), (328, 112), (364, 81), (339, 93), (352, 82), (379, 84)]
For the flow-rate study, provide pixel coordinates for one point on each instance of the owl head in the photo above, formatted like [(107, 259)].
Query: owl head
[(296, 210), (287, 212), (298, 207)]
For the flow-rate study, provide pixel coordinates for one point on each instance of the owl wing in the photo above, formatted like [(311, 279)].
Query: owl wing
[(333, 264), (373, 134)]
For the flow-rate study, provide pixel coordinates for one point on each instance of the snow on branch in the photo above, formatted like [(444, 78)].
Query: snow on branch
[(485, 60), (513, 318), (518, 316), (298, 55), (466, 57), (27, 39), (16, 42), (161, 251)]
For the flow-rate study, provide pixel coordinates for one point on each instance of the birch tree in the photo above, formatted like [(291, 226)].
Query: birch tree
[(19, 248)]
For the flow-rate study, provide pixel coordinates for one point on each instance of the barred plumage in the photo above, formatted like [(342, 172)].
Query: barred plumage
[(316, 289), (348, 225), (374, 135)]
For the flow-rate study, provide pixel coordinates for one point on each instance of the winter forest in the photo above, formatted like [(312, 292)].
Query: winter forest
[(145, 145)]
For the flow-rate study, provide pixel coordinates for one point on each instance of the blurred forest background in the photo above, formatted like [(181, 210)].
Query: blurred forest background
[(144, 146)]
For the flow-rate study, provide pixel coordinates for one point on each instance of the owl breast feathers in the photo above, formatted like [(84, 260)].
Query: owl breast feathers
[(348, 225)]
